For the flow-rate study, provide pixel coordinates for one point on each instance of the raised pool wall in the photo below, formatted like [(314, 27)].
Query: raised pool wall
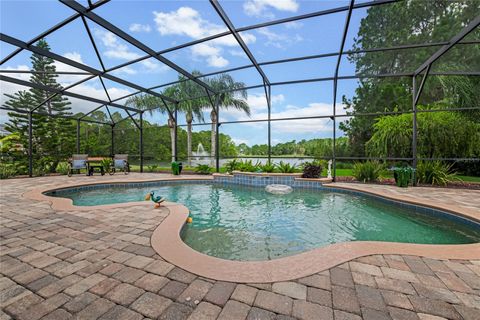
[(293, 180)]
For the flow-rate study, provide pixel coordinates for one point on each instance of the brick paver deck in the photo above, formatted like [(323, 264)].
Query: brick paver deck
[(99, 265)]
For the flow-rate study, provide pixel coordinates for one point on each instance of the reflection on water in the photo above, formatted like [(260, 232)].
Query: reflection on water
[(247, 223)]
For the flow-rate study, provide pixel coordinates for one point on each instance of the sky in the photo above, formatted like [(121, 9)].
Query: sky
[(164, 24)]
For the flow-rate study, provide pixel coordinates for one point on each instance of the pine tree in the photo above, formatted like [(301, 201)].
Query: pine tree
[(53, 137)]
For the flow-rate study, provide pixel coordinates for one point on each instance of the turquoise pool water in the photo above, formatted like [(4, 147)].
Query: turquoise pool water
[(246, 223)]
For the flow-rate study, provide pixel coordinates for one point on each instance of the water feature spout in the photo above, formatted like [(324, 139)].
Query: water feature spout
[(200, 155)]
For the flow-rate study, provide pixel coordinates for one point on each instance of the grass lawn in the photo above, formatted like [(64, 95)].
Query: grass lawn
[(469, 179), (343, 172)]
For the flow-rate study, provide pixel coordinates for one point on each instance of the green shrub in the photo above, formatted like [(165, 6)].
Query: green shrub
[(7, 171), (368, 171), (152, 168), (248, 166), (107, 164), (268, 167), (203, 169), (232, 165), (62, 168), (434, 173), (285, 167)]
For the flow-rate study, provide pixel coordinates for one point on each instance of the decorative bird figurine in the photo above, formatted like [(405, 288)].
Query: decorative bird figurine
[(157, 199)]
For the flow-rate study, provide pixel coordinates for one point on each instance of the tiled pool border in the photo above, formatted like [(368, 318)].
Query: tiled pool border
[(282, 269)]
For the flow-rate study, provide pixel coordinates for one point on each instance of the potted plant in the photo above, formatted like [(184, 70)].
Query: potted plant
[(403, 176)]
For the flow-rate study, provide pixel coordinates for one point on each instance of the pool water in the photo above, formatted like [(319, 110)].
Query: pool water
[(247, 223)]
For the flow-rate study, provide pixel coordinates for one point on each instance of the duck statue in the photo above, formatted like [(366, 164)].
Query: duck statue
[(157, 199)]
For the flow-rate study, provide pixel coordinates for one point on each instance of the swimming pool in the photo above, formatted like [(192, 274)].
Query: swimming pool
[(246, 223)]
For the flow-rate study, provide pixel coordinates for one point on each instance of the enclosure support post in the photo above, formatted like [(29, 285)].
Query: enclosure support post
[(78, 136), (217, 136), (268, 93), (141, 141), (334, 118), (30, 144), (414, 131), (176, 133), (112, 145), (335, 82), (420, 89)]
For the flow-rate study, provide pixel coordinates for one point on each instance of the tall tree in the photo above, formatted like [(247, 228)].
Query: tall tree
[(155, 104), (230, 95), (53, 137), (410, 22), (185, 90)]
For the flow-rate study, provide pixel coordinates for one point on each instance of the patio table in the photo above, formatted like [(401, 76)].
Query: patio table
[(95, 163)]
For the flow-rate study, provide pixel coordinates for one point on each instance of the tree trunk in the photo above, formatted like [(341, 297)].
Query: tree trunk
[(189, 119), (171, 125), (189, 143), (213, 117)]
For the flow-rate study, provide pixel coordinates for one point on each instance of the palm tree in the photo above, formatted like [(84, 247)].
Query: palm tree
[(153, 103), (226, 98), (185, 91)]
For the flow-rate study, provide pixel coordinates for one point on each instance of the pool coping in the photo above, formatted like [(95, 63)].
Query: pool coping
[(65, 204), (167, 242)]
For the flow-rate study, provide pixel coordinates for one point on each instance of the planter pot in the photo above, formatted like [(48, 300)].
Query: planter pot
[(176, 168)]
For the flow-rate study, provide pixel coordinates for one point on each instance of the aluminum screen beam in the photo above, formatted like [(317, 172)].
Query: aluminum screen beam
[(261, 25), (45, 72), (457, 38), (319, 56), (65, 93), (90, 112), (75, 64), (61, 90), (239, 39), (51, 30), (358, 76), (387, 75), (125, 36), (52, 115), (335, 82)]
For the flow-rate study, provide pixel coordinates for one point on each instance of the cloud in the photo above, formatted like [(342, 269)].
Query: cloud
[(217, 61), (211, 53), (260, 111), (293, 25), (238, 53), (153, 66), (11, 88), (240, 141), (137, 27), (66, 79), (188, 22), (279, 40), (118, 50), (259, 8), (115, 49), (21, 76), (126, 70), (258, 105)]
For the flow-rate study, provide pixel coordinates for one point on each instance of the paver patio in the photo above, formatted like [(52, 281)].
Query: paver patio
[(98, 264)]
